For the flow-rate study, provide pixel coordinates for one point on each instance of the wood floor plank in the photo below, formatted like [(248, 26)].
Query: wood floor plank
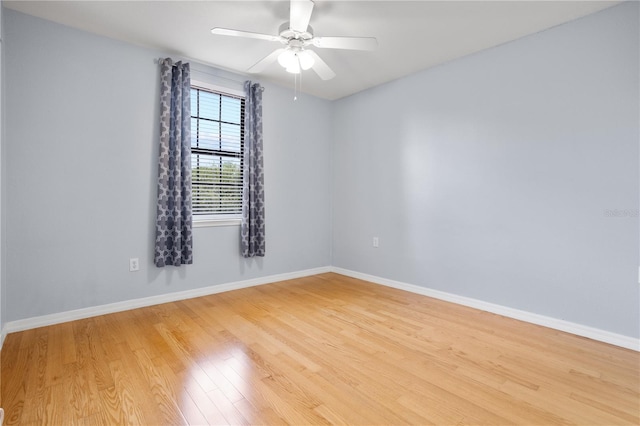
[(111, 410), (325, 349), (56, 406), (196, 403), (90, 354), (227, 408), (126, 392), (162, 390)]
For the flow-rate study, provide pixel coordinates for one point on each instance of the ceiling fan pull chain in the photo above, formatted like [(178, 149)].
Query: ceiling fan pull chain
[(299, 82)]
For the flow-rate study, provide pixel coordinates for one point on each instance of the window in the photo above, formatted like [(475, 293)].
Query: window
[(217, 144)]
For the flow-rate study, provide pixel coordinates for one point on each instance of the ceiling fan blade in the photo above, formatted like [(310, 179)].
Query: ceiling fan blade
[(351, 43), (320, 66), (246, 34), (300, 14), (265, 62)]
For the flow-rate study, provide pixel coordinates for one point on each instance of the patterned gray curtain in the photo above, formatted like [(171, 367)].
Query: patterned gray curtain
[(174, 241), (252, 230)]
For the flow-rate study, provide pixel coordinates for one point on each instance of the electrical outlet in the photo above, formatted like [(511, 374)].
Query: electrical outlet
[(134, 264), (376, 242)]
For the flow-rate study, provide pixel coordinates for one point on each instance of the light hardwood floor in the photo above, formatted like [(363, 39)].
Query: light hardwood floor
[(317, 350)]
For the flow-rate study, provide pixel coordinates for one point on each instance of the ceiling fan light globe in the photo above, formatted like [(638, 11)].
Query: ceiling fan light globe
[(287, 58), (294, 67), (306, 60)]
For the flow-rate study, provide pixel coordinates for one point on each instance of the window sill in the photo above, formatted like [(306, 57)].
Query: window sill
[(216, 222)]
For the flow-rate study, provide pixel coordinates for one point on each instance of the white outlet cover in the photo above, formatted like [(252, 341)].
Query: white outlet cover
[(134, 264)]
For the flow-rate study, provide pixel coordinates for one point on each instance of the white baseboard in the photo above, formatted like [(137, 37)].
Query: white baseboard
[(45, 320), (557, 324)]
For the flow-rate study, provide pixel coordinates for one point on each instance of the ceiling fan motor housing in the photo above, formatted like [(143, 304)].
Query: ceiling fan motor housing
[(288, 35)]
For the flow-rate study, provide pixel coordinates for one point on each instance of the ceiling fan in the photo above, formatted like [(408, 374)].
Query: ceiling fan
[(297, 36)]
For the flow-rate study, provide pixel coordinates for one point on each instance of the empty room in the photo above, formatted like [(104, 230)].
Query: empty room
[(320, 212)]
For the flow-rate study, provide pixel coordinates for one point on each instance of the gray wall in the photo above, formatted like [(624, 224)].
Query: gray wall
[(81, 161), (490, 177)]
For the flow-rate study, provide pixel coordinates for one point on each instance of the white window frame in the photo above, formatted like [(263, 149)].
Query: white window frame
[(202, 221)]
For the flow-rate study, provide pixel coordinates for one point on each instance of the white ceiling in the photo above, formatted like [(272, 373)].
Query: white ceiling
[(412, 35)]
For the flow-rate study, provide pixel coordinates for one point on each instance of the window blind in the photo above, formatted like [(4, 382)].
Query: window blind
[(217, 136)]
